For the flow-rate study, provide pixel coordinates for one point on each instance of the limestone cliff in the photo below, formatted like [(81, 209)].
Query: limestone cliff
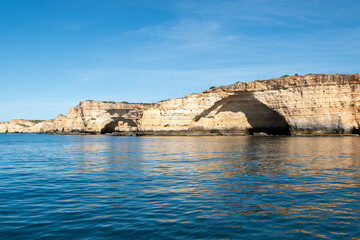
[(16, 126), (103, 117), (299, 104), (308, 104)]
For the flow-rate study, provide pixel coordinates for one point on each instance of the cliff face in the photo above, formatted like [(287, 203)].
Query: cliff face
[(299, 104), (16, 126), (309, 104), (103, 117)]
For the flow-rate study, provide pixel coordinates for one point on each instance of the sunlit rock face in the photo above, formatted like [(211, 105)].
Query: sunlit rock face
[(18, 126), (308, 104), (316, 103), (87, 117), (29, 126), (300, 104), (50, 126), (4, 126), (221, 112), (317, 109), (103, 117)]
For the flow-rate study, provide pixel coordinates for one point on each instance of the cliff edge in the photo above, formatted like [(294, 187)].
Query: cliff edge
[(307, 104)]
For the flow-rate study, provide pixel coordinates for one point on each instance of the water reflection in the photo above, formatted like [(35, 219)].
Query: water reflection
[(322, 160), (201, 187)]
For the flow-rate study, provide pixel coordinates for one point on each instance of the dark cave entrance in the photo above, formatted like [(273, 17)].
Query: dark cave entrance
[(285, 131), (355, 130), (265, 120), (110, 127)]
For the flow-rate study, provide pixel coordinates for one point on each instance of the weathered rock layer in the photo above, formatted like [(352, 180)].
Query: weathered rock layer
[(308, 104)]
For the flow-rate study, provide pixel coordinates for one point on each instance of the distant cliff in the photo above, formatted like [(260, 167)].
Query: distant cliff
[(307, 104)]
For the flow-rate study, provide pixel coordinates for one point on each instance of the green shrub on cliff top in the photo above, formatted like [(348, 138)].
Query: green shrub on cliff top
[(23, 125), (36, 121)]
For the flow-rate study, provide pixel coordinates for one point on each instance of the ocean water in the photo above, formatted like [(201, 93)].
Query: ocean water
[(102, 187)]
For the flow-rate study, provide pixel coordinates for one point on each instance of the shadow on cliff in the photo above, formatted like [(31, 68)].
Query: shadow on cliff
[(260, 117), (355, 130), (110, 127)]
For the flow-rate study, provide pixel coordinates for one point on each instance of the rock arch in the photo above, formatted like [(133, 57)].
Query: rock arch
[(243, 111)]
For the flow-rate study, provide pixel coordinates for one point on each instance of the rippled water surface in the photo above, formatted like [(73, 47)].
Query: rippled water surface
[(99, 187)]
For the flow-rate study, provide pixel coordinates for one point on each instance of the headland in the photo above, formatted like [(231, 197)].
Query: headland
[(312, 104)]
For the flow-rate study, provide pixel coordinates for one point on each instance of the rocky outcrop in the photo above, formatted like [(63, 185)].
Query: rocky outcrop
[(317, 104), (104, 117), (17, 126), (50, 126), (308, 104)]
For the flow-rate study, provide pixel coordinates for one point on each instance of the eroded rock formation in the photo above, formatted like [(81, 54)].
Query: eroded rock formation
[(308, 104), (103, 117)]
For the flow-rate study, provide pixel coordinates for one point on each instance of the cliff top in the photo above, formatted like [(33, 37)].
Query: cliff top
[(292, 81)]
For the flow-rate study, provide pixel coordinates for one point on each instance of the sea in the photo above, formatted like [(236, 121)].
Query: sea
[(233, 187)]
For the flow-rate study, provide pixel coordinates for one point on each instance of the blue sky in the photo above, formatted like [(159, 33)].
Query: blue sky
[(56, 53)]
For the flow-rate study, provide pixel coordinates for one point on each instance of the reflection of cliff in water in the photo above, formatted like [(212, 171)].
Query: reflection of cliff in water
[(240, 173)]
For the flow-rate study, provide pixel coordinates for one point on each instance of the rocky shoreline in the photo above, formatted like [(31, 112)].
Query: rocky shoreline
[(313, 104)]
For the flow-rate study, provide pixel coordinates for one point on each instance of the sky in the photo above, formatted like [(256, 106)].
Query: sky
[(56, 53)]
